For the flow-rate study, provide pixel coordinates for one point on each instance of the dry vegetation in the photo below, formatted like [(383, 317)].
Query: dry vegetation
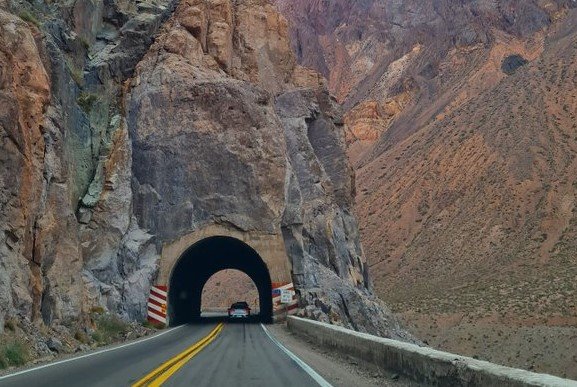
[(470, 224), (14, 351)]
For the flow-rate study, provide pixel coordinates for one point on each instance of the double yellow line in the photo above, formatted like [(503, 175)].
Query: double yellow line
[(167, 369)]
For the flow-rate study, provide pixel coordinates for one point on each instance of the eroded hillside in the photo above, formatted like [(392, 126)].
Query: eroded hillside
[(396, 65), (462, 129)]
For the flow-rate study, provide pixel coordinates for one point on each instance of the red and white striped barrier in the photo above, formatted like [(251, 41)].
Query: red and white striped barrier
[(280, 307), (157, 304)]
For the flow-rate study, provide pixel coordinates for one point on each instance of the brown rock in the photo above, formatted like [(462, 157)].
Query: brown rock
[(181, 43), (220, 29), (24, 94), (219, 44), (194, 19), (308, 78)]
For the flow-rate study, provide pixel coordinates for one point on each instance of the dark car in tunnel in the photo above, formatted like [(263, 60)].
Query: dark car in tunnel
[(239, 310)]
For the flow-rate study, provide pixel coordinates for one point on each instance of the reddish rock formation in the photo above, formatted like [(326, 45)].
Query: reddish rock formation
[(466, 193), (423, 55), (33, 259)]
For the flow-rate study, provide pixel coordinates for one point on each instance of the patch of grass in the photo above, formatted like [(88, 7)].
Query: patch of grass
[(82, 337), (98, 338), (109, 329), (97, 310), (13, 352), (84, 43), (86, 101), (76, 73), (29, 18), (10, 324)]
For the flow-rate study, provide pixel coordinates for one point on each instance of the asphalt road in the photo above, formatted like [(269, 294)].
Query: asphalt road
[(241, 355)]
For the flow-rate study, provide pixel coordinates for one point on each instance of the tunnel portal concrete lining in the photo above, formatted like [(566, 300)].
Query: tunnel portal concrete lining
[(188, 263)]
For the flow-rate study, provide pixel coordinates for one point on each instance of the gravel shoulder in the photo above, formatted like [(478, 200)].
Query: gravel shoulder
[(337, 369)]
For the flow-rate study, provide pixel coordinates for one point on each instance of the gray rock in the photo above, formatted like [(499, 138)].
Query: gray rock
[(54, 345), (41, 348)]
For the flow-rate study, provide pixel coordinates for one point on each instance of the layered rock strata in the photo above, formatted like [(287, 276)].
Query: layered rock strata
[(395, 65)]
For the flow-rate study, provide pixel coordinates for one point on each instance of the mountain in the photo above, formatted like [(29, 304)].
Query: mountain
[(384, 58), (462, 129), (127, 127)]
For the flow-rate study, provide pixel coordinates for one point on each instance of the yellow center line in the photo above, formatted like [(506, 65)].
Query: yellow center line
[(167, 369)]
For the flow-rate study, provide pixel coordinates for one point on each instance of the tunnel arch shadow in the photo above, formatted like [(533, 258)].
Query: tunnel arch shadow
[(204, 259)]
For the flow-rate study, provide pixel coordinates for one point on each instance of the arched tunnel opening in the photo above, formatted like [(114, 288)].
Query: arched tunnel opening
[(200, 262)]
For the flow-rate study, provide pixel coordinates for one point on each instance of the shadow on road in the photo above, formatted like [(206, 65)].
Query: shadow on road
[(217, 317)]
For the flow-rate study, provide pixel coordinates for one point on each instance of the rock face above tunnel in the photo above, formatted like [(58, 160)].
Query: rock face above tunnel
[(219, 138)]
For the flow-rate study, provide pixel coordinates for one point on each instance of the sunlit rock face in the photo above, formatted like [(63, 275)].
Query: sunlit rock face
[(143, 123), (24, 95), (395, 64), (68, 241)]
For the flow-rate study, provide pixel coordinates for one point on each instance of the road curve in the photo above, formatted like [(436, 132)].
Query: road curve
[(115, 367), (242, 355)]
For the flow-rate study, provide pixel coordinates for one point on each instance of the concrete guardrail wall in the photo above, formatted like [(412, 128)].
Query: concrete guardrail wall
[(421, 364)]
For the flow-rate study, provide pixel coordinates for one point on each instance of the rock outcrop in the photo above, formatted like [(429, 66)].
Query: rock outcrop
[(68, 235), (234, 142), (129, 125), (25, 94)]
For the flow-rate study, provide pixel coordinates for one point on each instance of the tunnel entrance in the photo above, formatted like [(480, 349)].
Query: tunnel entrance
[(204, 259)]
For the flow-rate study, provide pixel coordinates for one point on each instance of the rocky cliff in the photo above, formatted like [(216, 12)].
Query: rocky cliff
[(126, 125), (395, 65), (462, 131)]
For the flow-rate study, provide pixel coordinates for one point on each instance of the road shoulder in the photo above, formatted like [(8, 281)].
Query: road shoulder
[(337, 369)]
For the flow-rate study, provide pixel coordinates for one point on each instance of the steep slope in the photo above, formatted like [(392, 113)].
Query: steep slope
[(480, 217), (462, 130), (396, 65)]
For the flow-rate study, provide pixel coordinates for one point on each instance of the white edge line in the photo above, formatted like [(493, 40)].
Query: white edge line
[(312, 373), (89, 354)]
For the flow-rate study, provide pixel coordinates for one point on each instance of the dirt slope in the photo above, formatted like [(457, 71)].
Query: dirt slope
[(472, 220), (464, 135)]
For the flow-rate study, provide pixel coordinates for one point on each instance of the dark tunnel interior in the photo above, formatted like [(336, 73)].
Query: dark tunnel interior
[(200, 262)]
